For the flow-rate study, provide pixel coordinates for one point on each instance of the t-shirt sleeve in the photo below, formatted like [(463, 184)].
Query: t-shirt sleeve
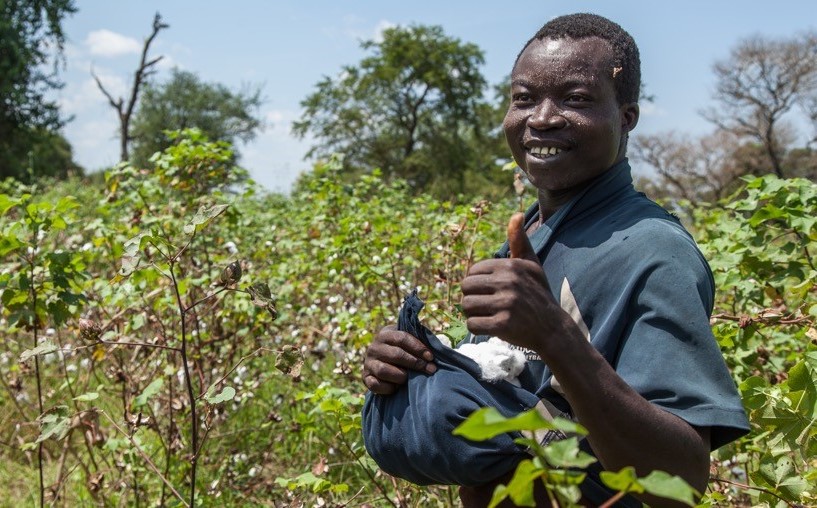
[(669, 354)]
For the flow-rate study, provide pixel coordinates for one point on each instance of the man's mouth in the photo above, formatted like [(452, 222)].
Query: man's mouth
[(543, 152)]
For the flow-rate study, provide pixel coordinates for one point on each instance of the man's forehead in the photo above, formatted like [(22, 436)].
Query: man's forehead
[(586, 56)]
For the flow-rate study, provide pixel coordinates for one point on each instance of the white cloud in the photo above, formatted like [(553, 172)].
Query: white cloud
[(109, 44), (380, 27), (354, 27)]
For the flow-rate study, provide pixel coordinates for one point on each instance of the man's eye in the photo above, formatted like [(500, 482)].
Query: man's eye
[(577, 98), (520, 97)]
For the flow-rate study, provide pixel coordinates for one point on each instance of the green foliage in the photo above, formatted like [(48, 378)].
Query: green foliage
[(269, 296), (28, 122), (185, 102), (760, 245), (414, 109), (557, 465), (274, 300)]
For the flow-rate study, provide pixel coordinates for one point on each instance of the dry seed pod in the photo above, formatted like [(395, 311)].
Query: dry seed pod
[(89, 331), (231, 273)]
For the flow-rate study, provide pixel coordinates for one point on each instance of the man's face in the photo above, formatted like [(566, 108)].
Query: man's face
[(564, 124)]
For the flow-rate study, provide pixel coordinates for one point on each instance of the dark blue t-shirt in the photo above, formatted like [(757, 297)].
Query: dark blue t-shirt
[(637, 286)]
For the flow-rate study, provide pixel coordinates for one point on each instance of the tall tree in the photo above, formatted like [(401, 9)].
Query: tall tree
[(124, 110), (409, 108), (759, 84), (184, 102), (31, 37)]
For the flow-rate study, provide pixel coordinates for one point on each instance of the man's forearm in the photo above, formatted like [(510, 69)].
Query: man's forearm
[(624, 428)]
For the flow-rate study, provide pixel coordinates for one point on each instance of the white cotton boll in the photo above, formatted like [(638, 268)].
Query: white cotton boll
[(497, 359), (231, 247)]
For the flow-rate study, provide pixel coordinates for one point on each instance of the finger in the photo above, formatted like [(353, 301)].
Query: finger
[(379, 387), (404, 341), (398, 357), (385, 373), (518, 240), (478, 284), (478, 305)]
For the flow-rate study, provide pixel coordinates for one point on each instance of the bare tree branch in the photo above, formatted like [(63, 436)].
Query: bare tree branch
[(145, 69), (759, 84)]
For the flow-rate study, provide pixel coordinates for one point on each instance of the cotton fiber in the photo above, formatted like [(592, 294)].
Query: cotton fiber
[(496, 358)]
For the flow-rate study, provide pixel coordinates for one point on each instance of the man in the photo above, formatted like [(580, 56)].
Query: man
[(604, 290)]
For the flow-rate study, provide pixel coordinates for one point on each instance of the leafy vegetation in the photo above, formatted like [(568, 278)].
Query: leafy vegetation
[(186, 102), (174, 336), (414, 109), (29, 142)]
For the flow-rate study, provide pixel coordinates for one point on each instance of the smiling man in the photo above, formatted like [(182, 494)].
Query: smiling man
[(605, 291)]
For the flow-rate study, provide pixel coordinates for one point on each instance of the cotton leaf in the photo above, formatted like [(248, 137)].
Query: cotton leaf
[(289, 361), (42, 349), (87, 397), (659, 483), (149, 391), (203, 217), (487, 422), (227, 393), (566, 453), (55, 423)]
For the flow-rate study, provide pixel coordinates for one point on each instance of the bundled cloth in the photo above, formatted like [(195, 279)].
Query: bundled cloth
[(409, 433)]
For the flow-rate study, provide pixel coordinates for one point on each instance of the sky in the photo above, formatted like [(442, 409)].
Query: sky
[(286, 47)]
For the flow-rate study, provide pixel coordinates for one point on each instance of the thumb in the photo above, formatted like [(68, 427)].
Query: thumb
[(518, 240)]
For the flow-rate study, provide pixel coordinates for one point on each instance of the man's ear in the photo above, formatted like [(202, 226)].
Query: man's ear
[(629, 116)]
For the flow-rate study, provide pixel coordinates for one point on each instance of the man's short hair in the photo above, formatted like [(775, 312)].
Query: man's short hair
[(626, 61)]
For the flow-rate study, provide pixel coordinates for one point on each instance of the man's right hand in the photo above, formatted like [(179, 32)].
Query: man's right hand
[(390, 355)]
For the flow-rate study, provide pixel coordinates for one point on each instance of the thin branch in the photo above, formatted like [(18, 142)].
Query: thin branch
[(189, 383), (225, 376), (750, 487), (145, 69), (146, 459)]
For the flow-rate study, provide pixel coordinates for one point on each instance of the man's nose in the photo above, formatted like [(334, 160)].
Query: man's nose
[(547, 115)]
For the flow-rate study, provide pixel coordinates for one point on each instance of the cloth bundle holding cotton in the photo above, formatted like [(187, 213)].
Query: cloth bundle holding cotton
[(409, 433)]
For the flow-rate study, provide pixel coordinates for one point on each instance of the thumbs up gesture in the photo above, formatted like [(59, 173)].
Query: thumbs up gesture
[(510, 298), (518, 239)]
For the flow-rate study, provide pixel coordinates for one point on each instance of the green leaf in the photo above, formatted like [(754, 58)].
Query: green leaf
[(456, 332), (203, 217), (227, 393), (150, 390), (566, 453), (624, 480), (520, 488), (659, 483), (55, 423), (42, 349), (487, 422), (7, 202), (87, 397)]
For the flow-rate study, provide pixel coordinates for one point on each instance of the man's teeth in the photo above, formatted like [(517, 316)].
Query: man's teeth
[(545, 150)]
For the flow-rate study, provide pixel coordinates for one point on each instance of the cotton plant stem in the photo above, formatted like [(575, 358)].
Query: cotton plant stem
[(750, 487), (33, 296), (194, 445), (147, 460)]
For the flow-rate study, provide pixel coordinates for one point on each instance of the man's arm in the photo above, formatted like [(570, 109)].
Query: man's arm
[(510, 299)]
